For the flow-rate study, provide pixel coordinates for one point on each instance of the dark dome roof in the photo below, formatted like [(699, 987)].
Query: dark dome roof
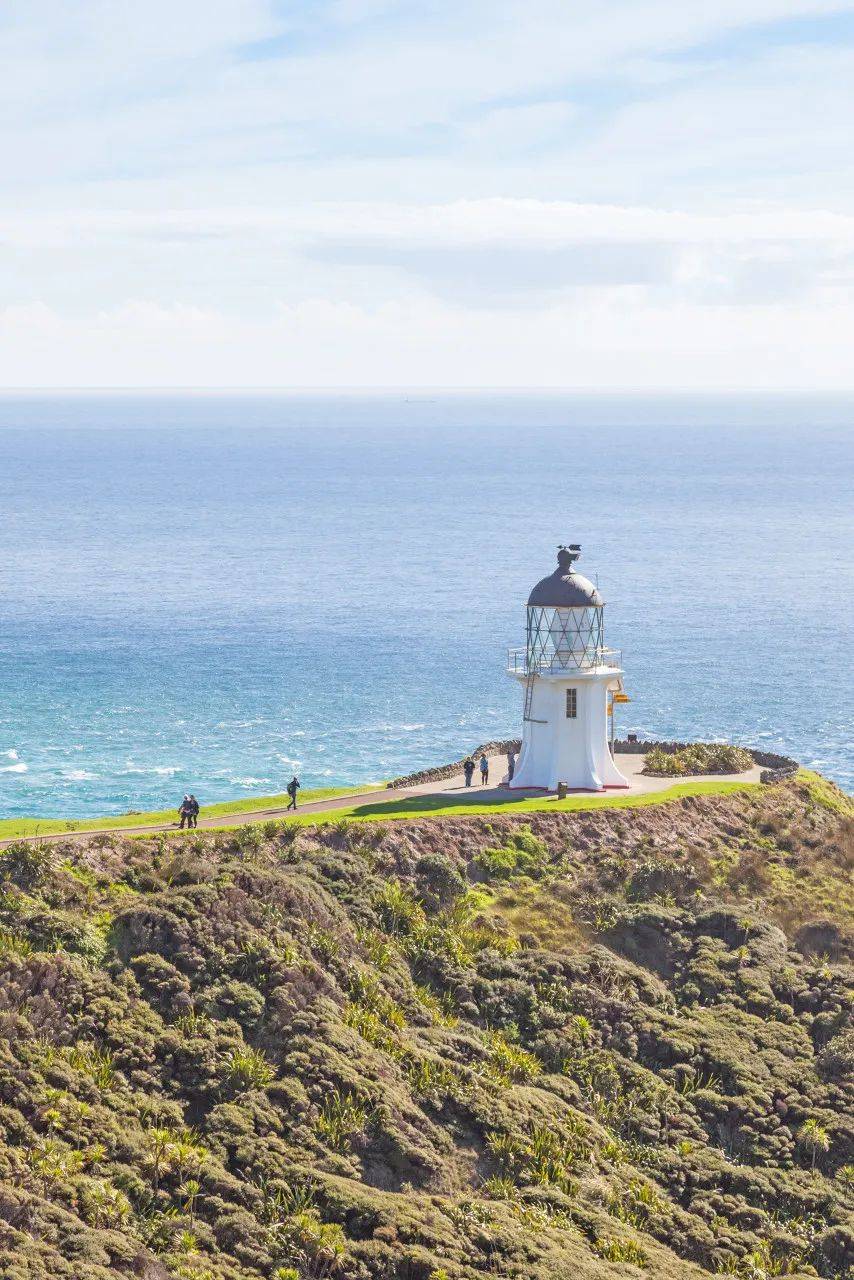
[(565, 589)]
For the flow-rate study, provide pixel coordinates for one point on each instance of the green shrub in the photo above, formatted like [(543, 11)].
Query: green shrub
[(398, 908), (249, 838), (248, 1069), (26, 863), (522, 853), (342, 1117), (322, 942), (699, 757), (509, 1063), (836, 1059), (439, 1008), (371, 1027), (94, 1062), (813, 1138), (377, 948), (10, 943), (317, 1247), (621, 1251), (439, 879)]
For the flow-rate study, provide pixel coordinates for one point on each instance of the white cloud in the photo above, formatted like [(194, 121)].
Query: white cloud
[(643, 192), (615, 340)]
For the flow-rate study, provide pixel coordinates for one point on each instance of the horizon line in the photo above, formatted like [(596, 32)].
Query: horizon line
[(421, 390)]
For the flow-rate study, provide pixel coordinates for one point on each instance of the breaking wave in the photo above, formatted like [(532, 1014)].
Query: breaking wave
[(160, 771)]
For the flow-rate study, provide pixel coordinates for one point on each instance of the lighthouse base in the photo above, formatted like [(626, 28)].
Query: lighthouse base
[(565, 738)]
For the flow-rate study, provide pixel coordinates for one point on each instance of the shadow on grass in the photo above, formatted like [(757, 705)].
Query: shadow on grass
[(447, 800), (476, 802)]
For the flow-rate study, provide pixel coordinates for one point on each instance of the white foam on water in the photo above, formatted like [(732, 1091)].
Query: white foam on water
[(160, 771), (248, 782), (14, 768), (79, 775), (388, 726), (10, 755)]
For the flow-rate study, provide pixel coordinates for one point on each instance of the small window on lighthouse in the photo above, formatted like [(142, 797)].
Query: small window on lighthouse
[(571, 703)]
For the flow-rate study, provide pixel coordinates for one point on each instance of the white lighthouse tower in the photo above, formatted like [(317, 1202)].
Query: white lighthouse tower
[(567, 675)]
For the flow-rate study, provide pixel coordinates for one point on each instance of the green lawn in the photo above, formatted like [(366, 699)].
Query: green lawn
[(444, 805), (416, 806), (14, 828)]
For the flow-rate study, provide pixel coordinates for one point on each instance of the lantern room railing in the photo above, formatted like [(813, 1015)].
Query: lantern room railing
[(520, 662)]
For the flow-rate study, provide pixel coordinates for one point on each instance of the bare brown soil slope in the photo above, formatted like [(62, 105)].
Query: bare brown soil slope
[(592, 1044)]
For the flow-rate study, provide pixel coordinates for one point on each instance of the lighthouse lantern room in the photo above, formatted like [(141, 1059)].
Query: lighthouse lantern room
[(567, 676)]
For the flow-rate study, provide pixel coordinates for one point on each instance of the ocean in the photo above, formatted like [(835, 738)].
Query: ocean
[(211, 592)]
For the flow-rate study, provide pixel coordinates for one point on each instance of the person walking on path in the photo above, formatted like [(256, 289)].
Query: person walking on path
[(185, 813), (195, 809), (293, 788), (511, 764), (484, 770), (468, 770)]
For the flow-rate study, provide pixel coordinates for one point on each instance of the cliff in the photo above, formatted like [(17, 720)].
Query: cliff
[(590, 1044)]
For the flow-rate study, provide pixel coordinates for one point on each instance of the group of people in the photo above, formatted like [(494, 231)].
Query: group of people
[(189, 812), (468, 770), (483, 765), (190, 808)]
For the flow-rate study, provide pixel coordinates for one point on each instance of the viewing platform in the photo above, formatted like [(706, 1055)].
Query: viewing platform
[(521, 662)]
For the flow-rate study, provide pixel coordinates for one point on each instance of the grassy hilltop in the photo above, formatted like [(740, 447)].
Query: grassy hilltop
[(611, 1042)]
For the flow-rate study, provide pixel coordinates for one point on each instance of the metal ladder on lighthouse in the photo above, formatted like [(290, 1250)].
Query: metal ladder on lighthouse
[(529, 694), (529, 698)]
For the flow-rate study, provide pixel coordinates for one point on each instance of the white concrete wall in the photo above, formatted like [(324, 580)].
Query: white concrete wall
[(575, 751)]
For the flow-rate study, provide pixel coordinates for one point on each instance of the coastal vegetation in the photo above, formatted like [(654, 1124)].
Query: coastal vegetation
[(599, 1042), (698, 757)]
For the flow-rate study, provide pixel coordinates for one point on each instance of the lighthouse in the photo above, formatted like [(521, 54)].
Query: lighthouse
[(567, 676)]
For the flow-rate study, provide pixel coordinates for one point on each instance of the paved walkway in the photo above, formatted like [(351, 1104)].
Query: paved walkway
[(449, 788)]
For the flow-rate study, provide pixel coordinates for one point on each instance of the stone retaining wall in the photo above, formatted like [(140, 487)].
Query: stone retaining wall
[(779, 775), (449, 770)]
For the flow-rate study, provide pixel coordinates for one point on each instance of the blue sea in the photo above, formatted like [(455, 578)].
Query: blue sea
[(210, 592)]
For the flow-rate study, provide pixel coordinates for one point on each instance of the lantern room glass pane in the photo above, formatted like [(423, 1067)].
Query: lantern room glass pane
[(561, 638)]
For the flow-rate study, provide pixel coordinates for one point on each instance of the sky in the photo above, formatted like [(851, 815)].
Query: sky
[(641, 195)]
